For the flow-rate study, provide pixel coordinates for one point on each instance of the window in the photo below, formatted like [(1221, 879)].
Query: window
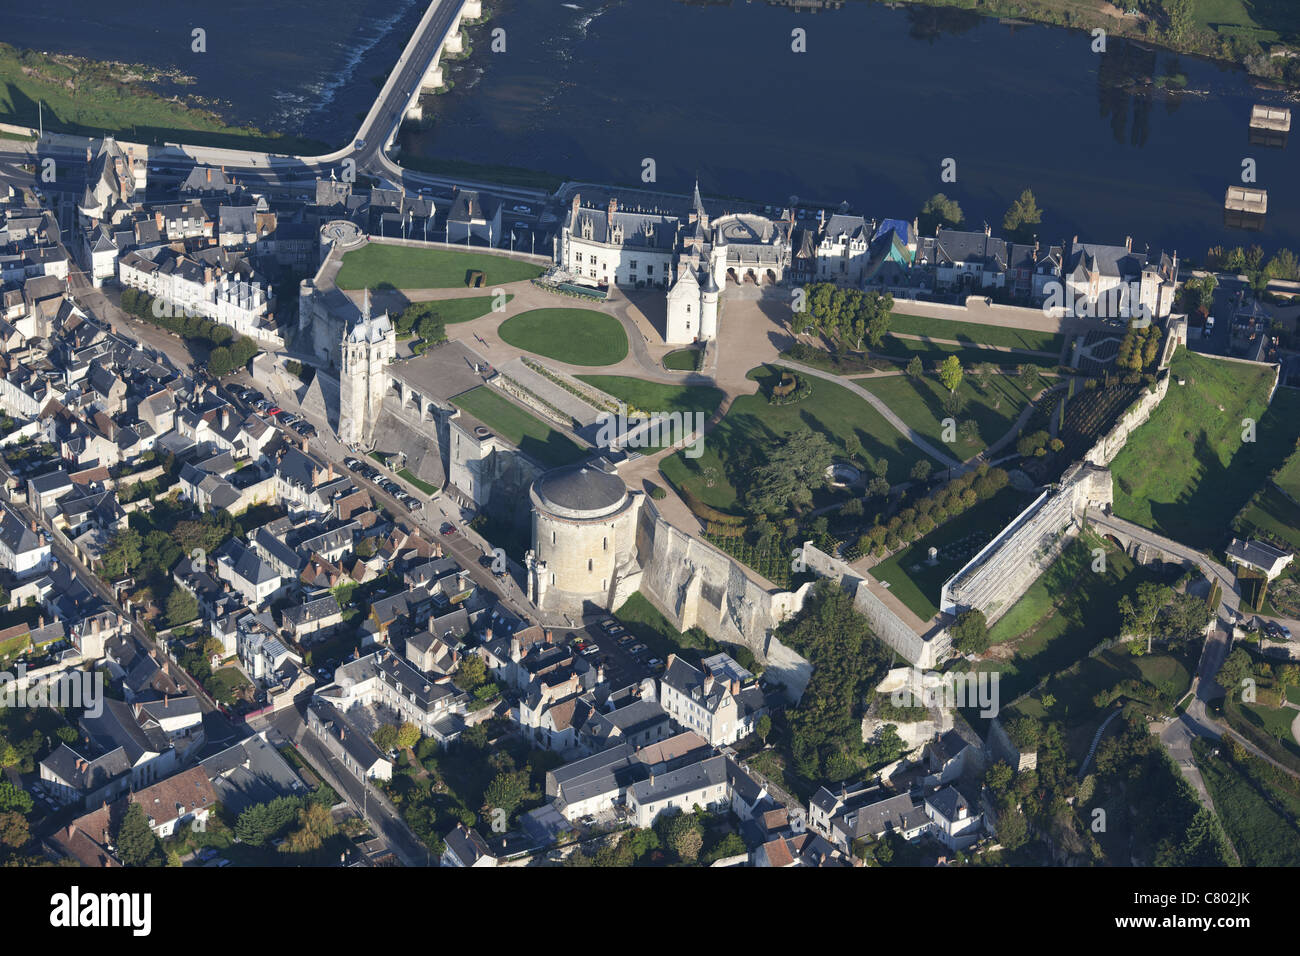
[(552, 537), (604, 544), (589, 565), (632, 264), (649, 270)]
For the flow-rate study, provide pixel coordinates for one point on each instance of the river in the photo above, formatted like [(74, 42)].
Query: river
[(868, 114)]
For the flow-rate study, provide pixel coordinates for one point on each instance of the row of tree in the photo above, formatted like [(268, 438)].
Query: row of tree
[(228, 352), (846, 315)]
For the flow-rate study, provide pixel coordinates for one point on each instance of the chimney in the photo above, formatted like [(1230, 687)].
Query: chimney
[(158, 219), (668, 664), (42, 620), (225, 418), (166, 700), (209, 175), (1128, 243), (613, 208), (306, 444), (708, 683), (331, 471), (577, 199), (988, 230)]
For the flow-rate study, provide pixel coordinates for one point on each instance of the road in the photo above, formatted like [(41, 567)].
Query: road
[(290, 725)]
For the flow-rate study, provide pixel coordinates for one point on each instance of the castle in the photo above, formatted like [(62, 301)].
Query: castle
[(366, 349), (657, 243)]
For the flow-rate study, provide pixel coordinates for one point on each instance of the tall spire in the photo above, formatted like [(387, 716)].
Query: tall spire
[(699, 203), (365, 309)]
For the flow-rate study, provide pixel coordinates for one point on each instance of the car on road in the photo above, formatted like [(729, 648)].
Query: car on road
[(448, 528), (353, 463), (288, 418), (360, 144), (412, 505)]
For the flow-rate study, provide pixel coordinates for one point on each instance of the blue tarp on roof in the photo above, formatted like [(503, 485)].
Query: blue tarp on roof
[(896, 225)]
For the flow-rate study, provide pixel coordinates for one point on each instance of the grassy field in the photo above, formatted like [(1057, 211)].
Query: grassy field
[(1064, 614), (915, 582), (681, 360), (1258, 807), (976, 334), (1272, 515), (1187, 471), (919, 402), (752, 423), (1288, 476), (534, 437), (404, 267), (932, 353), (86, 98), (576, 336), (644, 621), (409, 476), (452, 311), (654, 397)]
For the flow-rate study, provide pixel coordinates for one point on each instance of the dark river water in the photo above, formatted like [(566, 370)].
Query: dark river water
[(868, 114)]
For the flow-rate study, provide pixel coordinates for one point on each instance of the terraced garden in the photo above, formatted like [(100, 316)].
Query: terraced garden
[(531, 435), (919, 402), (977, 333), (377, 264)]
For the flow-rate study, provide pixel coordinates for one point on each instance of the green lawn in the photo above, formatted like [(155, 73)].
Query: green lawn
[(645, 622), (919, 402), (975, 333), (752, 423), (1272, 515), (916, 582), (452, 311), (1187, 471), (531, 435), (576, 336), (225, 682), (682, 360), (377, 265), (932, 353), (420, 483), (1288, 476), (654, 398), (1064, 614), (1258, 807)]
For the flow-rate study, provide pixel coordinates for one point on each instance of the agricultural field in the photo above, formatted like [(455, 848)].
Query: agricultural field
[(1187, 472), (919, 402), (576, 336), (404, 267), (718, 478), (977, 333), (534, 437), (1258, 806), (916, 582)]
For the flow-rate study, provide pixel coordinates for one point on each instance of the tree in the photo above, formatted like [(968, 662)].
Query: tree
[(15, 798), (471, 673), (795, 468), (763, 727), (506, 791), (914, 368), (878, 487), (1023, 215), (385, 737), (14, 832), (950, 373), (258, 824), (182, 607), (1235, 669), (1181, 19), (687, 844), (939, 210), (921, 470), (1029, 378), (970, 633), (1139, 611), (408, 735), (1283, 265), (136, 843), (213, 647)]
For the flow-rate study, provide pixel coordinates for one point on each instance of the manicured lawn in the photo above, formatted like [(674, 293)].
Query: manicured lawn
[(653, 397), (576, 336), (452, 311), (404, 267), (916, 582), (751, 424), (420, 483), (932, 353), (534, 437), (1187, 471), (975, 333), (919, 402), (682, 360), (225, 682)]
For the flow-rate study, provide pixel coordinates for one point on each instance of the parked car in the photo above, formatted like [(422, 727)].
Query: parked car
[(274, 410), (413, 505), (625, 640), (636, 649), (448, 528), (353, 463)]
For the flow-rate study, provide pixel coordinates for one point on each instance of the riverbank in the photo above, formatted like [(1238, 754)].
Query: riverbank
[(89, 98), (1260, 38)]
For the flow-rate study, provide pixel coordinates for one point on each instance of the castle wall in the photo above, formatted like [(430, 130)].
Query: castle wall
[(695, 585), (919, 650)]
